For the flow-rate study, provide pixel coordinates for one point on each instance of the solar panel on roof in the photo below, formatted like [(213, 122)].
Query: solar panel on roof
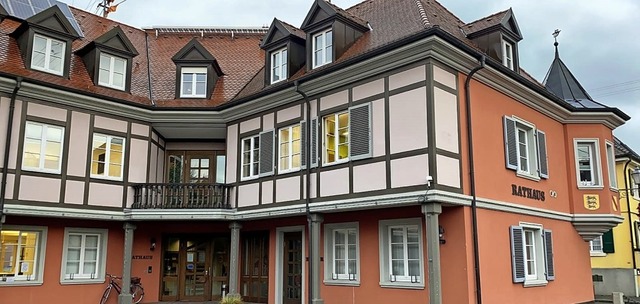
[(24, 9)]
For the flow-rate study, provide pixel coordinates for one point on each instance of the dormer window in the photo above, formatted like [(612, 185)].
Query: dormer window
[(322, 48), (113, 71), (507, 54), (48, 54), (279, 65), (193, 82)]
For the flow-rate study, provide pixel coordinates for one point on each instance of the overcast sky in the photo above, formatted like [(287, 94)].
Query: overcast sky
[(598, 42)]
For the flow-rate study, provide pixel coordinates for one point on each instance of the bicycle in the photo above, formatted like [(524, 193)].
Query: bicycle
[(137, 292)]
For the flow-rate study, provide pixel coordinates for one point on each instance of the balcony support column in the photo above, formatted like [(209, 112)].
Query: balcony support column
[(125, 296), (431, 212), (234, 267)]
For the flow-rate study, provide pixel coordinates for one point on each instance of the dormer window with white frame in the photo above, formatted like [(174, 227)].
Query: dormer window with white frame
[(48, 54), (113, 71), (322, 48), (279, 65), (507, 54), (193, 82)]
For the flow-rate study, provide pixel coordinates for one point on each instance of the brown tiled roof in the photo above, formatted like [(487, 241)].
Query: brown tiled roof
[(347, 14), (485, 22)]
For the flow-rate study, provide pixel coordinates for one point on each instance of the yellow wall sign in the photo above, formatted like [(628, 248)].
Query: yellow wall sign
[(591, 201)]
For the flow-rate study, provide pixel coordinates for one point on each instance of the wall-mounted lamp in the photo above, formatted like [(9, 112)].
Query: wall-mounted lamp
[(153, 244), (635, 175), (441, 234)]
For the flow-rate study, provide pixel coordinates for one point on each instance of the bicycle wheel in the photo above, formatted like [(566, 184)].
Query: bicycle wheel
[(137, 292), (105, 295)]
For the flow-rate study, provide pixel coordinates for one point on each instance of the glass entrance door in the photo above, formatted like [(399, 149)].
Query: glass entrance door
[(195, 277), (220, 268)]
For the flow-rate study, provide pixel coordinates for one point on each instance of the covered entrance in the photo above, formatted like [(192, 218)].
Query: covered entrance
[(195, 268)]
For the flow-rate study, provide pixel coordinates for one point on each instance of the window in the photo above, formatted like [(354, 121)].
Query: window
[(507, 54), (83, 258), (42, 147), (107, 156), (22, 251), (342, 252), (279, 65), (532, 254), (525, 149), (401, 260), (250, 157), (112, 71), (635, 188), (48, 54), (336, 138), (322, 48), (289, 143), (587, 160), (595, 246), (194, 82), (611, 166)]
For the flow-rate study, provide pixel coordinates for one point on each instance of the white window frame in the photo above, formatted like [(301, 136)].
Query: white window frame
[(47, 55), (611, 165), (43, 145), (531, 149), (252, 162), (327, 46), (282, 68), (107, 157), (290, 145), (39, 258), (596, 167), (538, 278), (507, 54), (101, 259), (635, 187), (330, 277), (336, 138), (194, 71), (385, 254), (595, 248), (111, 70)]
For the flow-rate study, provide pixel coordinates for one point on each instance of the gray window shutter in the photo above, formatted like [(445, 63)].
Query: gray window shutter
[(303, 144), (543, 166), (360, 131), (510, 143), (517, 254), (548, 256), (314, 142), (267, 146)]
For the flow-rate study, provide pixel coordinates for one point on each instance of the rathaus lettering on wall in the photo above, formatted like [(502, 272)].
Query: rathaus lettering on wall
[(537, 195)]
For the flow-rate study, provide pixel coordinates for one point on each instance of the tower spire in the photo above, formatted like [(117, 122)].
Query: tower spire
[(555, 37)]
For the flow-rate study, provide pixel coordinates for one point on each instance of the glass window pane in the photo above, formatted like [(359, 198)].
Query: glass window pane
[(105, 62), (89, 268), (414, 268), (73, 254), (397, 235), (412, 235), (73, 267), (75, 240), (119, 65), (397, 268), (201, 88), (54, 134), (91, 241), (397, 251), (115, 170), (33, 131), (55, 64)]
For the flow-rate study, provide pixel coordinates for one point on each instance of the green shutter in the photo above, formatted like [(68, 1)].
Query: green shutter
[(607, 242)]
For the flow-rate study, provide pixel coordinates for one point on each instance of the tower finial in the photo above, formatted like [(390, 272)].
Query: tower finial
[(555, 37)]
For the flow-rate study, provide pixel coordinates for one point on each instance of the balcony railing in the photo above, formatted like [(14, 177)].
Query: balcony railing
[(181, 196)]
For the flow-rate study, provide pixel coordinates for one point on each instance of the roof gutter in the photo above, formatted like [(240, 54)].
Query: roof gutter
[(7, 148)]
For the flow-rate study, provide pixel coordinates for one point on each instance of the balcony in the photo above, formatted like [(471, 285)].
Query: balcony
[(181, 196)]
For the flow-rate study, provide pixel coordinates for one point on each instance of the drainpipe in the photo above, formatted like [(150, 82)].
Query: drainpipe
[(308, 187), (472, 180), (626, 188), (7, 148)]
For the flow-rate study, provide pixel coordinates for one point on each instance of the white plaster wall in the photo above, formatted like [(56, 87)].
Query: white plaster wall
[(78, 144), (408, 120), (154, 136), (378, 128), (409, 171), (370, 177), (15, 135), (267, 192), (407, 77), (268, 121), (334, 100), (287, 189), (289, 113), (334, 182), (153, 163), (232, 153), (4, 118), (35, 109), (138, 129), (448, 171), (74, 192), (10, 184), (248, 195), (160, 167), (105, 195), (138, 161), (368, 89), (446, 116), (250, 125), (110, 124), (444, 77), (39, 189)]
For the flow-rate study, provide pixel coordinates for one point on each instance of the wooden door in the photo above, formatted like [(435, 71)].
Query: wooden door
[(254, 279), (292, 268), (195, 281)]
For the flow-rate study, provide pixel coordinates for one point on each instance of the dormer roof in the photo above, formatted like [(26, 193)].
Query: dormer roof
[(504, 20), (194, 52), (280, 30), (114, 40), (322, 10)]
